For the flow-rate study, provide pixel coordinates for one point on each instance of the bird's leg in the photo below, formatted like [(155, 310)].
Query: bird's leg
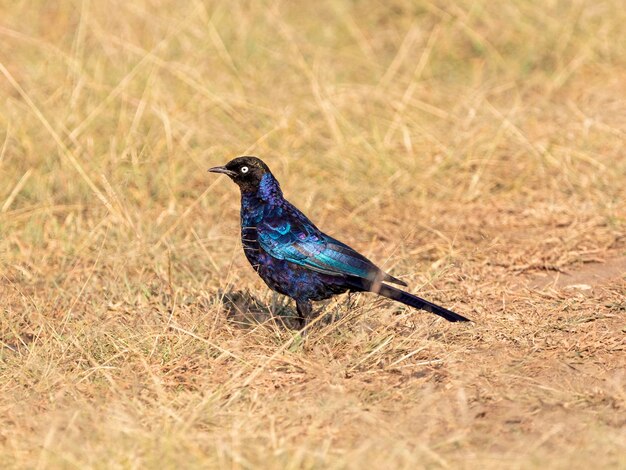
[(304, 309), (336, 315)]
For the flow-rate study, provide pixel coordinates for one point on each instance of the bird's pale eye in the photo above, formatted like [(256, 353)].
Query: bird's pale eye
[(244, 169)]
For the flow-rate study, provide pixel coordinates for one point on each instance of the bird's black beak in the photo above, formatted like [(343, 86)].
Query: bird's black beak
[(222, 169)]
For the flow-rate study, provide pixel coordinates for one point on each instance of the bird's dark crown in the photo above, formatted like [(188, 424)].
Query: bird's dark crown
[(246, 171)]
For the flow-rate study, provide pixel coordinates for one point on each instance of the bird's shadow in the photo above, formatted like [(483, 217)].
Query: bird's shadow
[(246, 311)]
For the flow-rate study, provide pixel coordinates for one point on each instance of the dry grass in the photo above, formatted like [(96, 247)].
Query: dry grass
[(473, 147)]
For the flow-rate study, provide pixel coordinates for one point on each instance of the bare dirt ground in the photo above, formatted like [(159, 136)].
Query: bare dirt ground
[(592, 275), (474, 149)]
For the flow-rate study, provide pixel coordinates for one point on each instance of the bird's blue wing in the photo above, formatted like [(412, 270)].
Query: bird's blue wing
[(300, 242)]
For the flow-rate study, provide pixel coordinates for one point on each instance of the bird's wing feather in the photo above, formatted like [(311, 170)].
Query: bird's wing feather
[(300, 242)]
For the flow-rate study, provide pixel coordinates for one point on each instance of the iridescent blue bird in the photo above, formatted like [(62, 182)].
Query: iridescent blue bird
[(297, 259)]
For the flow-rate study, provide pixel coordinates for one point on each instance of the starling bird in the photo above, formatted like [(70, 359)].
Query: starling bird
[(297, 259)]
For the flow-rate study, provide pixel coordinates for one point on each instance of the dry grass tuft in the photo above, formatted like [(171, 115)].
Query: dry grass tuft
[(475, 148)]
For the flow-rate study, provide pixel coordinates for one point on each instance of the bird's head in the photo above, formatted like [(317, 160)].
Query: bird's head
[(246, 171)]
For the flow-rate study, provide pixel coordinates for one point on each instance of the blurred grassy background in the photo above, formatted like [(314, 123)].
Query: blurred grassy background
[(460, 143)]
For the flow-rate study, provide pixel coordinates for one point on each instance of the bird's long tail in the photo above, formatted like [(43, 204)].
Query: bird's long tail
[(417, 302)]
